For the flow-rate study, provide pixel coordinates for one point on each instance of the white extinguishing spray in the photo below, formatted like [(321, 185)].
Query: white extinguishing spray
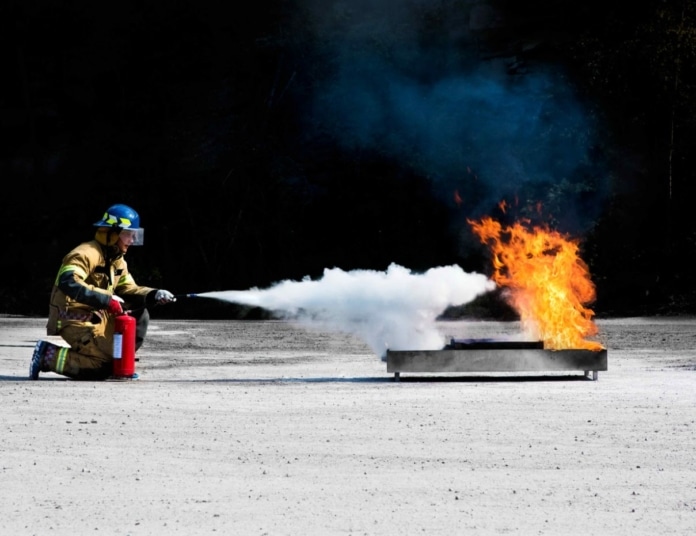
[(124, 347)]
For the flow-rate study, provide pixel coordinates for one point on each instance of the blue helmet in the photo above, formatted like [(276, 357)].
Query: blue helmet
[(120, 218)]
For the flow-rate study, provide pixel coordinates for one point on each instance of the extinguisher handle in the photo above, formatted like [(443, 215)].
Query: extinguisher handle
[(115, 305)]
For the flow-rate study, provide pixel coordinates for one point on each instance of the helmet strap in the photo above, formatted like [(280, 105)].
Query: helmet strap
[(107, 236)]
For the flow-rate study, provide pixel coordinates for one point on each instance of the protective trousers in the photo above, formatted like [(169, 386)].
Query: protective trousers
[(90, 356)]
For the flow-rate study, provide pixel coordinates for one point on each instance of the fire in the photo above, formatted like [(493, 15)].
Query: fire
[(548, 283)]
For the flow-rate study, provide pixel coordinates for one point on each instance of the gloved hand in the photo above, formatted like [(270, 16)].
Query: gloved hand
[(115, 305), (164, 296)]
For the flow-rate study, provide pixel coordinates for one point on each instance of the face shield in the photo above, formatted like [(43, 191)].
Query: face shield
[(132, 237)]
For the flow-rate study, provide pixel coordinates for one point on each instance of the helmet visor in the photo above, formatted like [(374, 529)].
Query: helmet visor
[(132, 237)]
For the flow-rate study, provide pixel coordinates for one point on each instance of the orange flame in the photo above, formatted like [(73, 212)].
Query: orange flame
[(548, 283)]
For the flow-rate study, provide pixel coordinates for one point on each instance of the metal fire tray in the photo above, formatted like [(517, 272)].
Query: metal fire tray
[(489, 355)]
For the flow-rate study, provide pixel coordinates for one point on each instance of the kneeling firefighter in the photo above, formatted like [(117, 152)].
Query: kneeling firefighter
[(92, 287)]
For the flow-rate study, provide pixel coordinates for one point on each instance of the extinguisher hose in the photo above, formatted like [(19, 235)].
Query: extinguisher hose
[(176, 296)]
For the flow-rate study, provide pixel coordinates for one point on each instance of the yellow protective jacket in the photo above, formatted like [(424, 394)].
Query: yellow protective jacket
[(89, 275)]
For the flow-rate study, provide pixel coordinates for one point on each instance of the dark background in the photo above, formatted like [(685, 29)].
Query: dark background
[(269, 141)]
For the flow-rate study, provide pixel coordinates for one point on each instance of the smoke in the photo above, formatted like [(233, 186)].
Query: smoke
[(396, 309), (408, 81)]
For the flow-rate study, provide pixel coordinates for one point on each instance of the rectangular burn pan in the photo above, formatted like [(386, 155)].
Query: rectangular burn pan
[(492, 344), (496, 356)]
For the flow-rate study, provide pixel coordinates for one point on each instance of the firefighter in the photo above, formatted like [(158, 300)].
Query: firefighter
[(92, 287)]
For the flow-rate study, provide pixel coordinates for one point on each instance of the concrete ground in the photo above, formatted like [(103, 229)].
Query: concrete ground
[(272, 428)]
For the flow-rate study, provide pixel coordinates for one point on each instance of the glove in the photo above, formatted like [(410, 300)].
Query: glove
[(164, 296), (115, 306)]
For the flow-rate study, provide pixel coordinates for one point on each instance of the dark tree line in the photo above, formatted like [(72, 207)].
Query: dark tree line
[(195, 114)]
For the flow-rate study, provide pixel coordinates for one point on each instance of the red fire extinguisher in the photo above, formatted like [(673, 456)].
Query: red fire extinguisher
[(124, 347)]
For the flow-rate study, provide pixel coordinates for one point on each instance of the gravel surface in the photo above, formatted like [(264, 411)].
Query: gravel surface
[(271, 428)]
